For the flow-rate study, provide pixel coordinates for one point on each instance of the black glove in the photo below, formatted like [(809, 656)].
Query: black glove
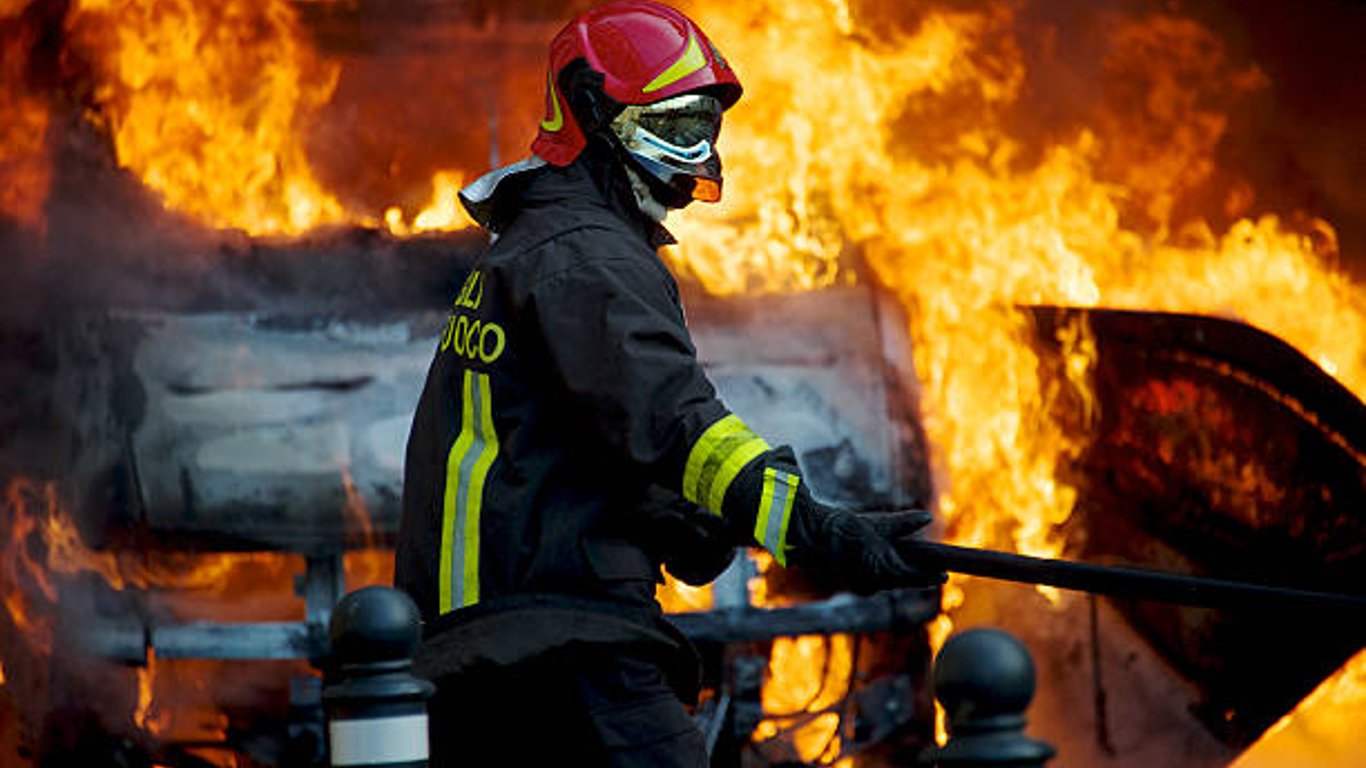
[(836, 547), (855, 551), (694, 545)]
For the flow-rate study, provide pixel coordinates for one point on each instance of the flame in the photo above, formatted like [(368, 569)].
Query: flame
[(372, 564), (899, 139), (443, 213), (807, 707), (965, 229), (41, 541), (1324, 730), (207, 103), (676, 597), (210, 106), (143, 715)]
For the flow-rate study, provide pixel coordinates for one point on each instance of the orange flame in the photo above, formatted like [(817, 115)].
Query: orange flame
[(207, 102), (808, 706), (676, 597), (1323, 731), (443, 213), (372, 565), (965, 229), (42, 540), (210, 106), (144, 716), (893, 142), (961, 236)]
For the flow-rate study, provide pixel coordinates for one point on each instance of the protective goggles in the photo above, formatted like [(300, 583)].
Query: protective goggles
[(675, 142)]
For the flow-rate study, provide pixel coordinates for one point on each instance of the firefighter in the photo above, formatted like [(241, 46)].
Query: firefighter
[(567, 442)]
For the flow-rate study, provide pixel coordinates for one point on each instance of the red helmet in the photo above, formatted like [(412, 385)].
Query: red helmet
[(646, 53)]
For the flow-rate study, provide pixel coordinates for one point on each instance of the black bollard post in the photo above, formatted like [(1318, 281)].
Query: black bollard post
[(376, 708), (984, 678)]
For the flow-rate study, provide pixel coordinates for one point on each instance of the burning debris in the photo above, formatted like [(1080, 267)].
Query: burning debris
[(161, 160)]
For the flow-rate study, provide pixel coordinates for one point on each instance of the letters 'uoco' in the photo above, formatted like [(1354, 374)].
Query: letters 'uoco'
[(466, 334)]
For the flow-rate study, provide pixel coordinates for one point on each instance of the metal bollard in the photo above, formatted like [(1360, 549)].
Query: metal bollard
[(984, 678), (376, 708)]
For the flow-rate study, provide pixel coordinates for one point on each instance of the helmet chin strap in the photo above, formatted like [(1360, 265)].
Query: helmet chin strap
[(648, 204)]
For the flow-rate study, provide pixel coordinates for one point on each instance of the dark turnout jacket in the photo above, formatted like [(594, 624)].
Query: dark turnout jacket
[(564, 389)]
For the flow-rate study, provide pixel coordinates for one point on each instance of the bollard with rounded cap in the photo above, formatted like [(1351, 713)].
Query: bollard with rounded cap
[(984, 678), (376, 708)]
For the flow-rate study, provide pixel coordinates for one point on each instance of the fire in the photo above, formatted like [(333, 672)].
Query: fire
[(211, 106), (42, 541), (143, 715), (443, 214), (1324, 730), (206, 103), (898, 136), (809, 707), (676, 597), (963, 229)]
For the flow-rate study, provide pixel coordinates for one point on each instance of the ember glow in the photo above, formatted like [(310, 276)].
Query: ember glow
[(24, 166), (44, 554)]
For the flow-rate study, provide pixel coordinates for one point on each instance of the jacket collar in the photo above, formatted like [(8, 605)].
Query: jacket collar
[(494, 199)]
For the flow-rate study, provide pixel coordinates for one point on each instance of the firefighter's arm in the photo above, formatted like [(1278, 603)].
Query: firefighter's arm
[(694, 545), (621, 351)]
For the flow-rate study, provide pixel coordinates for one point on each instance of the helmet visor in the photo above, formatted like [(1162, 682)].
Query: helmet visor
[(683, 121), (675, 142)]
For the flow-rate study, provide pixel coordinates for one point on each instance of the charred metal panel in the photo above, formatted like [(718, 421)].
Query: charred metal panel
[(1220, 450)]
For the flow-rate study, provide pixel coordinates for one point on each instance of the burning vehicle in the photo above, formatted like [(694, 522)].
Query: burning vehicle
[(1078, 277)]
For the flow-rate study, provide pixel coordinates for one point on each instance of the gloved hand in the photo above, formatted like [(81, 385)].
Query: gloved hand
[(700, 546), (855, 551), (694, 545)]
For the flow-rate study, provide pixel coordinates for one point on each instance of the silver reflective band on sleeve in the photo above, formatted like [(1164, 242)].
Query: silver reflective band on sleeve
[(775, 511), (379, 741)]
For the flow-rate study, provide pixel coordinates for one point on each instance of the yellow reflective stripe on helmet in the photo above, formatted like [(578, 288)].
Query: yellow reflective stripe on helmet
[(775, 510), (556, 120), (716, 458), (691, 61), (467, 467)]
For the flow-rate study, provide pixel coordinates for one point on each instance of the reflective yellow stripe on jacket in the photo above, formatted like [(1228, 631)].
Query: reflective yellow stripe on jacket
[(467, 466), (716, 458)]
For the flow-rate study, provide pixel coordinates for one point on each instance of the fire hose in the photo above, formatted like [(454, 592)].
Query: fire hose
[(1120, 581)]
